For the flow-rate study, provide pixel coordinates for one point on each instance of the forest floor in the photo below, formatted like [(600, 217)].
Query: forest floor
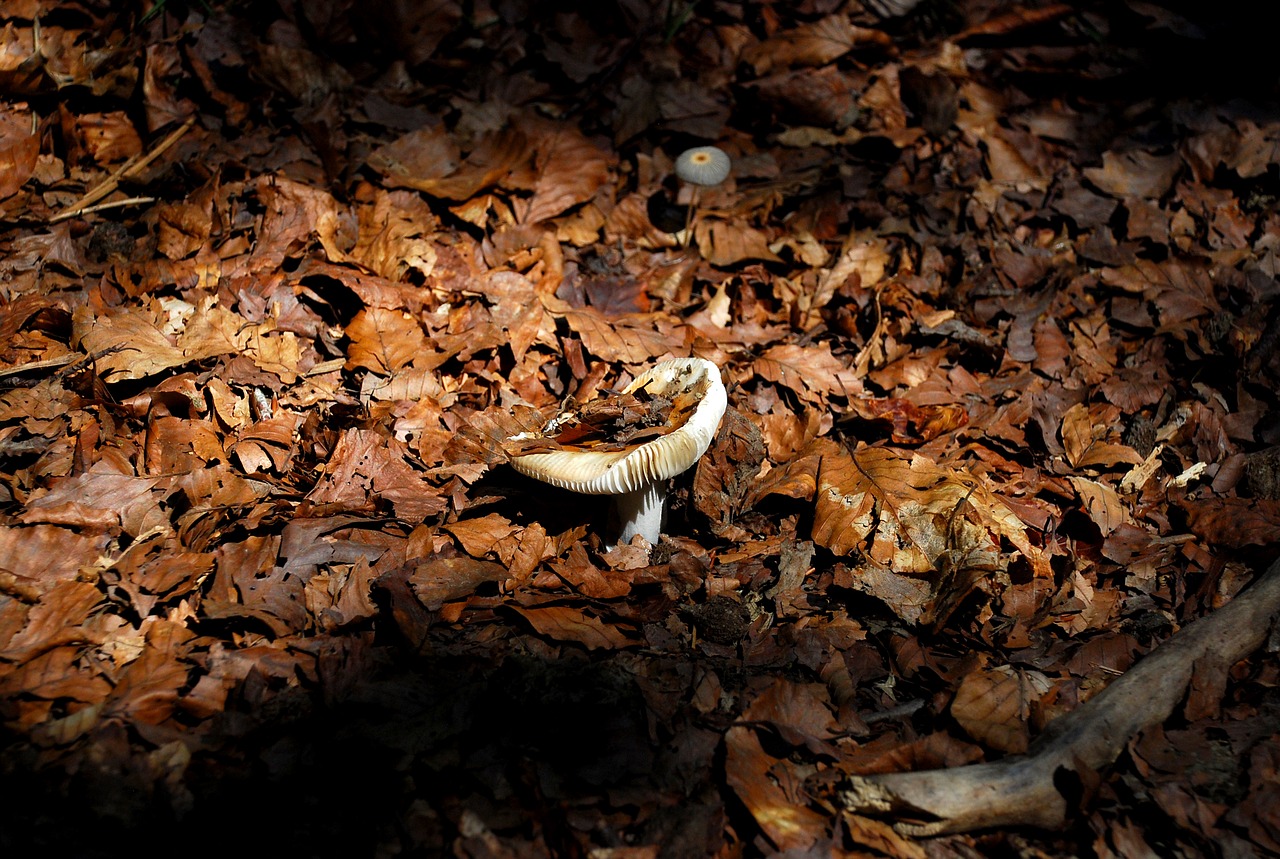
[(992, 288)]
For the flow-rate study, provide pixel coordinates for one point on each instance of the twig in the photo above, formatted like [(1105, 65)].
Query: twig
[(110, 204), (37, 366), (134, 165), (1027, 790), (68, 364)]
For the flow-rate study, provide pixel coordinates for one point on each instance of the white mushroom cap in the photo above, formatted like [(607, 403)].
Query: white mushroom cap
[(638, 472), (614, 472), (703, 165)]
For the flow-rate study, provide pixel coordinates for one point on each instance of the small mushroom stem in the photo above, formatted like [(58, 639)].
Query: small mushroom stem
[(688, 217), (640, 512)]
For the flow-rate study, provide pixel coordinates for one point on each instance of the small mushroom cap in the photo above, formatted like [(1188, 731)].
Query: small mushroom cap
[(616, 472), (703, 165)]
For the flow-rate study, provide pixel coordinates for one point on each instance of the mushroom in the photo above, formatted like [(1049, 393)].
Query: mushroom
[(701, 167), (685, 394)]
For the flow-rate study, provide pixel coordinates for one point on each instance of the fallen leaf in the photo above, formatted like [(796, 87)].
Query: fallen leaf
[(566, 623), (570, 169), (993, 705), (761, 784)]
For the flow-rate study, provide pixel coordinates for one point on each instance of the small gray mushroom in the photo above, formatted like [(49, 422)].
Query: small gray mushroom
[(701, 167)]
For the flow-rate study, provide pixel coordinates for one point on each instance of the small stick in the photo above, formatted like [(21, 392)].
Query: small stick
[(134, 165), (110, 204)]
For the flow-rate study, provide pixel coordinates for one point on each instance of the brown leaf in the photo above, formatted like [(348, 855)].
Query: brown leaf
[(632, 339), (427, 160), (724, 243), (1234, 522), (55, 620), (994, 705), (385, 340), (800, 712), (911, 424), (339, 595), (810, 371), (1084, 433), (99, 498), (132, 346), (395, 236), (44, 555), (910, 517), (481, 536), (109, 138), (366, 466), (726, 474), (566, 623), (571, 168), (1134, 173), (55, 674), (147, 689), (578, 572), (19, 149), (1179, 291), (770, 791), (812, 44), (441, 580), (825, 97), (1102, 504)]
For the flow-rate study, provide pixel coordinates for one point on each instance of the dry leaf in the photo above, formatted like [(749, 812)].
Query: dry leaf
[(1102, 504), (384, 341), (994, 705), (570, 170), (566, 623), (761, 784), (810, 371), (812, 44), (132, 346), (437, 581)]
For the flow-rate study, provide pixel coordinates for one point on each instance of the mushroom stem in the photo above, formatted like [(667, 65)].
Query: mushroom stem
[(640, 512), (688, 218)]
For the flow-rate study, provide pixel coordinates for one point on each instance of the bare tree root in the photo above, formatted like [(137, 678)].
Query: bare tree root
[(1028, 789)]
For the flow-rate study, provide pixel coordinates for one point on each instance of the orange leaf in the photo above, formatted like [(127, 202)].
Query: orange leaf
[(384, 340), (761, 783), (566, 623)]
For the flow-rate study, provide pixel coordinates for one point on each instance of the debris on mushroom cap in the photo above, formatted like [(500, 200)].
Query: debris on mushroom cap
[(703, 165), (697, 400)]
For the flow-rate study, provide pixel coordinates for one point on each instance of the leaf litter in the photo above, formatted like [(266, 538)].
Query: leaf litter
[(993, 298)]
